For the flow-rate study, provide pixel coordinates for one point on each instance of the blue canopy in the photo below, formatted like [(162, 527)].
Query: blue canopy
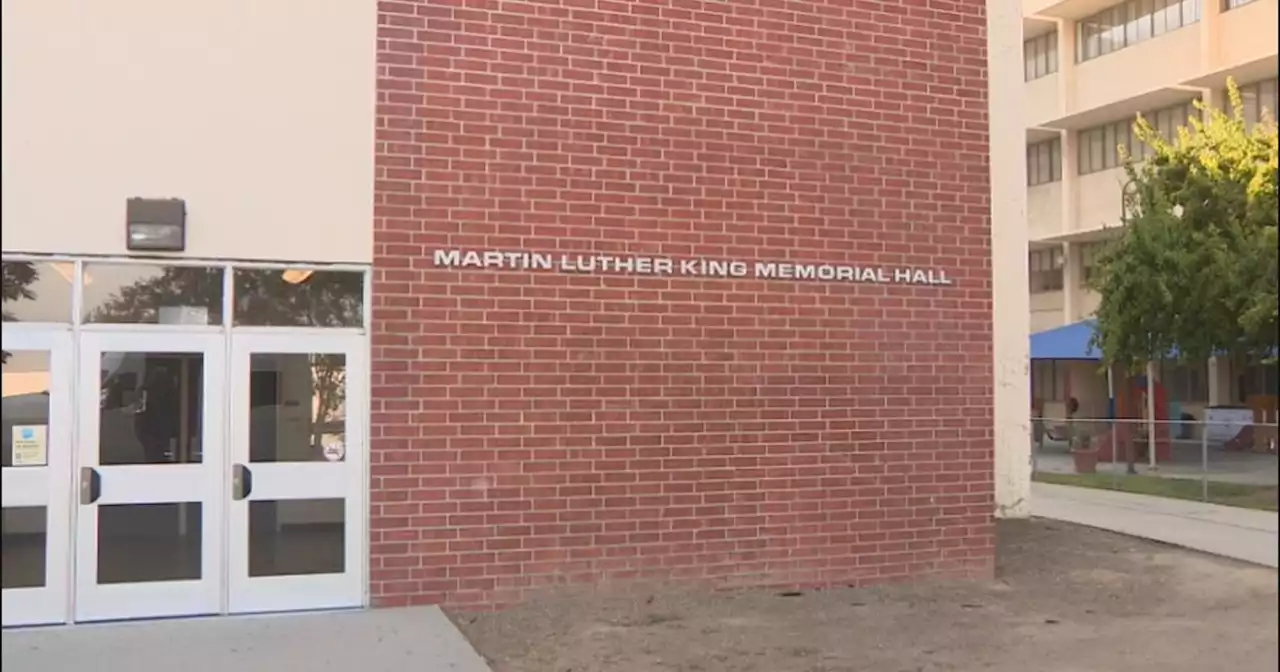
[(1071, 341)]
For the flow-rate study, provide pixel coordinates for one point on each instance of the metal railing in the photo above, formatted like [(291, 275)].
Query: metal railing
[(1231, 461)]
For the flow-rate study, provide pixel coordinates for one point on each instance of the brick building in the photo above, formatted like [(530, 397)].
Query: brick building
[(532, 428), (446, 302)]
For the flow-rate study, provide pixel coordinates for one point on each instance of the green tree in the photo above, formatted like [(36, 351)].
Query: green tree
[(18, 278), (1194, 270)]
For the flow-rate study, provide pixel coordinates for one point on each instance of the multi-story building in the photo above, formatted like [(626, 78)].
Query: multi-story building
[(1090, 66), (333, 304)]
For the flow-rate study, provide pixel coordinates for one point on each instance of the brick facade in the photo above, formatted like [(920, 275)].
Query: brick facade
[(537, 428)]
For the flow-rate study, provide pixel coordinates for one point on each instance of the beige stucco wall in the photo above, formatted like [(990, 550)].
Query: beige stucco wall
[(1099, 199), (1044, 100), (1164, 61), (269, 142), (1252, 30), (1044, 320), (1086, 304), (1009, 241), (1044, 210)]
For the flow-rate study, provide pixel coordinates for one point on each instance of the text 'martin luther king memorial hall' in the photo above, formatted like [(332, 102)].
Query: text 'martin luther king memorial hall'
[(702, 268)]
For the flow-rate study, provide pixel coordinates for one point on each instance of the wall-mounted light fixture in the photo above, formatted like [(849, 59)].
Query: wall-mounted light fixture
[(156, 225)]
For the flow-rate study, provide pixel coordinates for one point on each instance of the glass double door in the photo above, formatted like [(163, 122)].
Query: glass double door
[(205, 478)]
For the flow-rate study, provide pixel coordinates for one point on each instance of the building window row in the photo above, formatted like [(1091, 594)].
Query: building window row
[(1044, 162), (1048, 382), (1100, 145), (1256, 98), (1040, 56), (1089, 253), (1130, 23), (1185, 382), (1045, 270)]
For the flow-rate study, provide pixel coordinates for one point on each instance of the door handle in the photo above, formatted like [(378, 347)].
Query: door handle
[(90, 485), (241, 482)]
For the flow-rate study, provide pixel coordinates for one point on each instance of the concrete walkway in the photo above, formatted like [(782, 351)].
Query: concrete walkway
[(1242, 534), (378, 640)]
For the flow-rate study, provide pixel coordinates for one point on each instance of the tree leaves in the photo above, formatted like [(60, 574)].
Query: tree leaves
[(1195, 268)]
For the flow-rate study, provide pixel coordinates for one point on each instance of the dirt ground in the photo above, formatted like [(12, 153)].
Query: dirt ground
[(1068, 599)]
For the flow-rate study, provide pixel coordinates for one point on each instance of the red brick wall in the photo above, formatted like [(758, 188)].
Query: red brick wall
[(531, 429)]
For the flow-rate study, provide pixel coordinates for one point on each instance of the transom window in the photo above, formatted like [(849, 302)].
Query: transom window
[(1040, 56), (1044, 162), (1130, 23), (1046, 270), (1100, 145)]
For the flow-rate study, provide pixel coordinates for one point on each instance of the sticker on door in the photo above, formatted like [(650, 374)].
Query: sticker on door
[(334, 451), (30, 445)]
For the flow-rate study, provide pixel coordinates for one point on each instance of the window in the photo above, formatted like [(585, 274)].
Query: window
[(1132, 22), (1045, 270), (1044, 162), (1048, 381), (1258, 97), (1040, 56), (1100, 145), (1228, 5), (1088, 257), (1185, 382), (1259, 379)]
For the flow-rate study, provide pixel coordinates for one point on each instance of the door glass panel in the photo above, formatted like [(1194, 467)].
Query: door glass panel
[(149, 542), (26, 407), (146, 294), (297, 536), (38, 291), (298, 297), (297, 407), (25, 538), (150, 408)]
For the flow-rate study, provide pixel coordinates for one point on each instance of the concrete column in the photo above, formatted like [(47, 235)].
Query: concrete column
[(1221, 389), (1216, 99), (1070, 181), (1070, 282), (1210, 14), (1066, 65), (1011, 304)]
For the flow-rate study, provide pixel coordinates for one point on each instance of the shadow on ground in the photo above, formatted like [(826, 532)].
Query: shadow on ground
[(1067, 599)]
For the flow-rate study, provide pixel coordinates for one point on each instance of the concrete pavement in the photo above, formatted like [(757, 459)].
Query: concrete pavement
[(377, 640), (1242, 534)]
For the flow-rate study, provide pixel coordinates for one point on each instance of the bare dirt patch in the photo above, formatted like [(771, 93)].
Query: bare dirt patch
[(1068, 599)]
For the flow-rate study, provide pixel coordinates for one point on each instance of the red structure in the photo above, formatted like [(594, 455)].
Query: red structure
[(1131, 406), (536, 426)]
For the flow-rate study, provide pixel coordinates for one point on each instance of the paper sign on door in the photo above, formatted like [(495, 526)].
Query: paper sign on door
[(30, 445), (334, 451)]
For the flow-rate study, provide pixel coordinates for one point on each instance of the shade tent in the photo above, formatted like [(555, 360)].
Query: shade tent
[(1071, 341), (1074, 341)]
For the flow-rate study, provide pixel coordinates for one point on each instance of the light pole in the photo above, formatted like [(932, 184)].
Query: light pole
[(1128, 204)]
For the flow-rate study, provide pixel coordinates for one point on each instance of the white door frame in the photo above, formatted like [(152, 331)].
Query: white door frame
[(48, 485), (320, 479), (150, 483)]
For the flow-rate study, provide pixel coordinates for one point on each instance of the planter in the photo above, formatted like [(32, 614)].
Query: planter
[(1086, 460)]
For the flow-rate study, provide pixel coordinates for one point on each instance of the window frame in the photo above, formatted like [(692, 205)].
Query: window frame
[(1044, 162), (1040, 56), (1131, 23)]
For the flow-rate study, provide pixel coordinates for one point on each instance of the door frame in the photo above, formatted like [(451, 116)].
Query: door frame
[(164, 484), (299, 480), (49, 485)]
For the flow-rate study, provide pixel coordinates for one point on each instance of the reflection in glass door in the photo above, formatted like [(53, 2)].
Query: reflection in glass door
[(297, 510), (36, 466), (148, 537)]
